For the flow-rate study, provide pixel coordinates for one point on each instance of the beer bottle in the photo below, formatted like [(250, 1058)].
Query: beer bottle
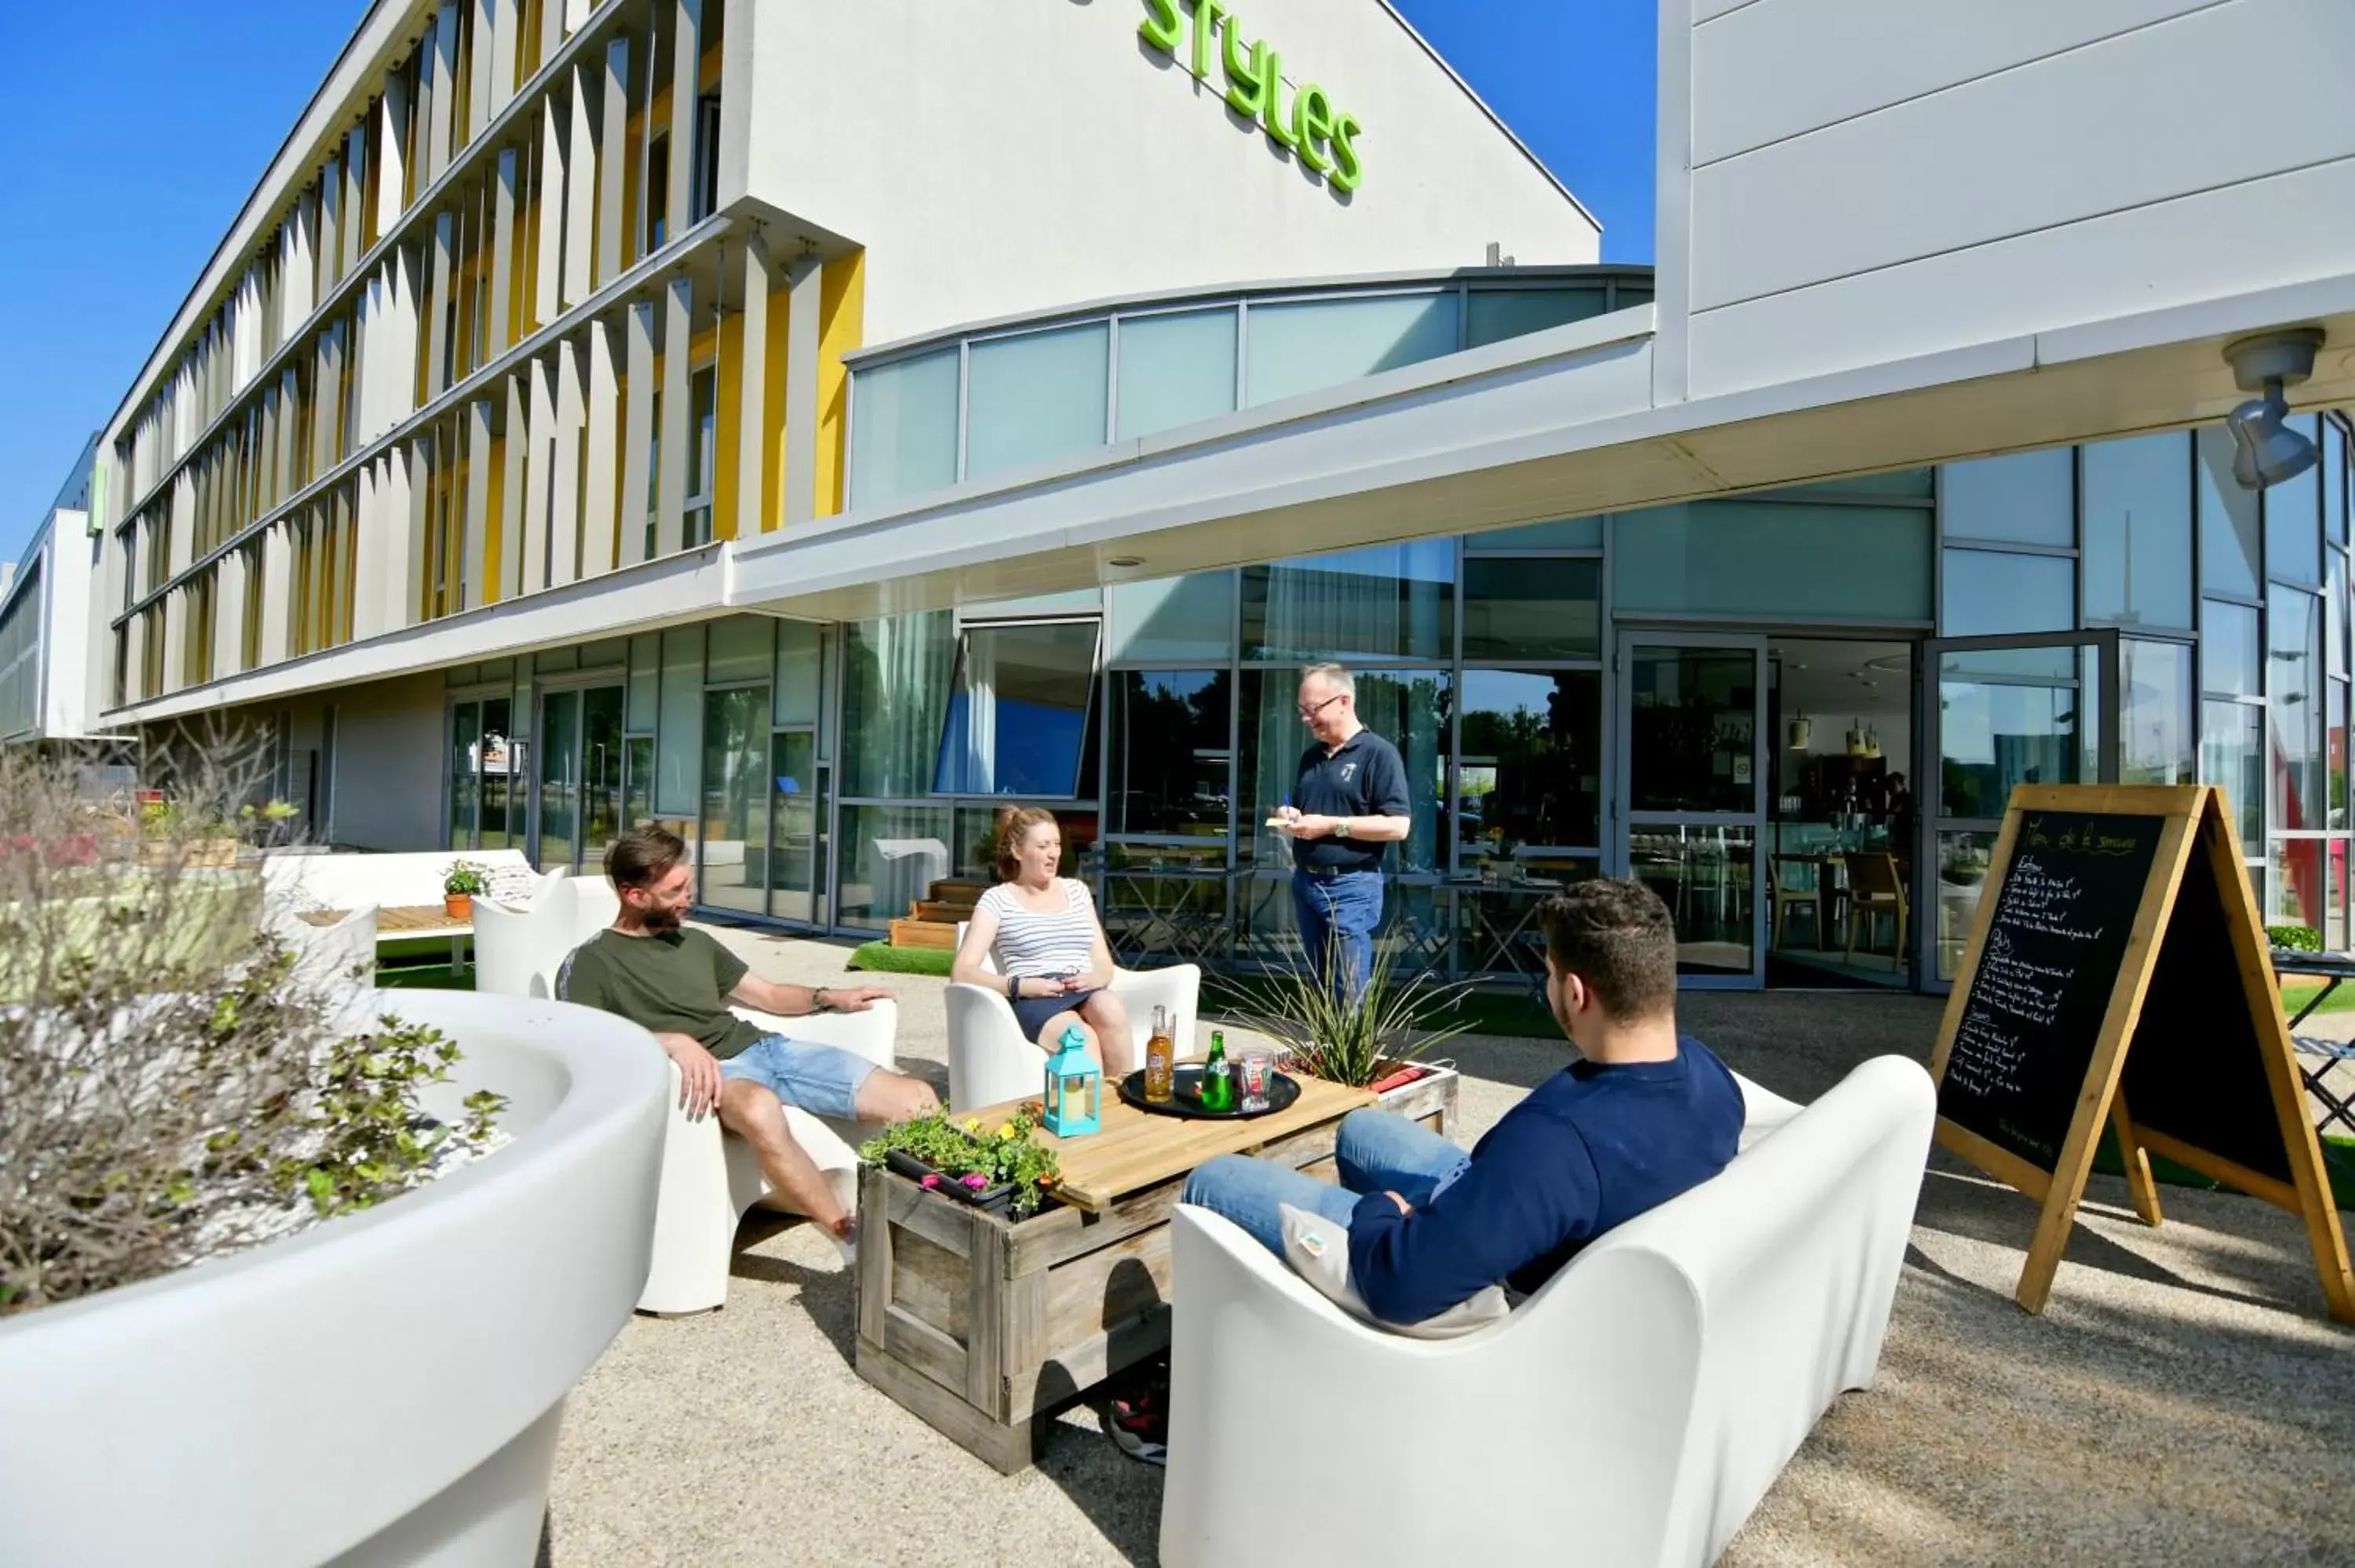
[(1160, 1059), (1218, 1075)]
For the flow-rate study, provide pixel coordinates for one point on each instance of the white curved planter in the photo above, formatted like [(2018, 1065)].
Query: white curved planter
[(381, 1389)]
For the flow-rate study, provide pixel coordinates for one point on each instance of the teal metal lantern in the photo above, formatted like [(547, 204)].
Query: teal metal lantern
[(1074, 1097)]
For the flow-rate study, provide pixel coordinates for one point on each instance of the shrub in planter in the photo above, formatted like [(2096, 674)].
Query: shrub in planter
[(173, 1092), (967, 1160), (1344, 1039), (2295, 939)]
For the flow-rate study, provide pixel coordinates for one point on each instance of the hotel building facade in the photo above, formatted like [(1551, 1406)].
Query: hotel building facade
[(817, 425)]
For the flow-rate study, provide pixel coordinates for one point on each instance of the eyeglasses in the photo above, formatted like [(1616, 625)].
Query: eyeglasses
[(1310, 712)]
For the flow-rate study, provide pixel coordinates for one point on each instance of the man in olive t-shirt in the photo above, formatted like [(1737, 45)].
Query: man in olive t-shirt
[(677, 984)]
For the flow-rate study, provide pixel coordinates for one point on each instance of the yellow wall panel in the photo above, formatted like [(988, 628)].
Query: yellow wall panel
[(842, 305)]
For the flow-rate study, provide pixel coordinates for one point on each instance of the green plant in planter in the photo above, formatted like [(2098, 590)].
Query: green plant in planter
[(967, 1149), (2295, 939), (1339, 1038), (469, 878)]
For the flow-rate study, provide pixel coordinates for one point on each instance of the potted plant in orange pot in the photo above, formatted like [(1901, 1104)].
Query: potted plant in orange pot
[(464, 882)]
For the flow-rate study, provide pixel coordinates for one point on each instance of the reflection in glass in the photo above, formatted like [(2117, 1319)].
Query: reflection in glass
[(903, 428), (678, 749), (1035, 397), (1174, 617), (1571, 533), (2022, 499), (2334, 909), (1531, 772), (499, 828), (638, 782), (2025, 728), (738, 648), (2335, 750), (2137, 546), (1771, 559), (2296, 884), (1692, 729), (2294, 699), (1962, 859), (734, 872), (2155, 738), (1019, 711), (465, 735), (1535, 609), (1386, 601), (600, 772), (1175, 369), (891, 857), (797, 859), (560, 777), (1987, 593), (2293, 511), (1704, 876), (2231, 756), (800, 671), (2228, 518), (894, 696), (1169, 754), (2228, 650), (1500, 313), (1300, 347)]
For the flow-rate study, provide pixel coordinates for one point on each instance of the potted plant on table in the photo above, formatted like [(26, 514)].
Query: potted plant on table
[(1001, 1168), (1372, 1040), (466, 881)]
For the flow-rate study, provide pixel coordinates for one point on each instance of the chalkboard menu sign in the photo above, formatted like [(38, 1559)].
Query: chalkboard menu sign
[(2035, 1000), (2117, 977)]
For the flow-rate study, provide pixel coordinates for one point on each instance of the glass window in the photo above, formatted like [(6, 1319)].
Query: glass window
[(1176, 369), (502, 760), (735, 839), (895, 694), (2228, 518), (2023, 499), (1411, 708), (891, 855), (2293, 511), (1500, 313), (1530, 770), (1692, 726), (2334, 482), (702, 452), (1963, 861), (603, 655), (2294, 698), (1572, 533), (1314, 343), (800, 669), (2137, 548), (2297, 891), (2228, 650), (1632, 294), (2232, 755), (678, 744), (646, 682), (1386, 601), (2011, 716), (1174, 617), (2334, 750), (1542, 609), (798, 859), (2155, 744), (2334, 613), (1989, 593), (1912, 484), (465, 768), (1017, 714), (638, 782), (903, 428), (1169, 754), (740, 650), (555, 660), (1035, 398), (1769, 559)]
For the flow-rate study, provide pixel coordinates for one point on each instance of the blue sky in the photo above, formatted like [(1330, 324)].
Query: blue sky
[(116, 183)]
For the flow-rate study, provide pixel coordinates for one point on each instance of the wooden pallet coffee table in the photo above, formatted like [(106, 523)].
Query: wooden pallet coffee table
[(986, 1328)]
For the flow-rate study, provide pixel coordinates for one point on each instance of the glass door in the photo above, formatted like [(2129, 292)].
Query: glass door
[(481, 756), (580, 781), (1999, 712), (600, 773), (798, 883), (559, 779), (1694, 785)]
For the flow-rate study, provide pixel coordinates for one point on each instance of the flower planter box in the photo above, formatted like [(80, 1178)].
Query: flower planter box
[(993, 1199), (396, 1376), (1429, 1099)]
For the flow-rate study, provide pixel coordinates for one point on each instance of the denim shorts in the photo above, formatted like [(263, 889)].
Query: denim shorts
[(820, 1079)]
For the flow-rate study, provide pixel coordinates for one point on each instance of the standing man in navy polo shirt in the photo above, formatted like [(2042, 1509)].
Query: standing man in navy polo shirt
[(1349, 800)]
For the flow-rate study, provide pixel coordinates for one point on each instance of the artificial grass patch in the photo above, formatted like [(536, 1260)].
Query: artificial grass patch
[(883, 959), (423, 977)]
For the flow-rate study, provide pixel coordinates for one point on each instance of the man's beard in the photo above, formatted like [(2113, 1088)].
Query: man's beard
[(660, 920)]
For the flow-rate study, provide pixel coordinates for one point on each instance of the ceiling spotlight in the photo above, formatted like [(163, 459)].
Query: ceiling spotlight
[(1125, 561), (2266, 451)]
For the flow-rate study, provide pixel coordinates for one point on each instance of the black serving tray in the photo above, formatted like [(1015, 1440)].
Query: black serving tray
[(1186, 1094)]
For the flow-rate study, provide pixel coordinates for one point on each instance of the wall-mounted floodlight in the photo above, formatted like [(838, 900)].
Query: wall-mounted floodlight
[(2266, 452)]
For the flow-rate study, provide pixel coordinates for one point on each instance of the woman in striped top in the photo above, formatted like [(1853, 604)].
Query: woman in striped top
[(1053, 962)]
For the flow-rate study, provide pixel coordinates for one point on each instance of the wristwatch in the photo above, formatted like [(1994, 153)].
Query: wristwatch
[(1014, 988), (818, 1001)]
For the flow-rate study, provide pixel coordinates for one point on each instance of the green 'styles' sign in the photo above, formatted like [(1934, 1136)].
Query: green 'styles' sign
[(1318, 134)]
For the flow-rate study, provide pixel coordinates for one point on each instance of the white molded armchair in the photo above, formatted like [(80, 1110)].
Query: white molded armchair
[(519, 948), (991, 1061), (1632, 1411), (330, 958), (709, 1179)]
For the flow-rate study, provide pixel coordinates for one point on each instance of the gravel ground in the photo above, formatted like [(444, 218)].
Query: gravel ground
[(2182, 1399)]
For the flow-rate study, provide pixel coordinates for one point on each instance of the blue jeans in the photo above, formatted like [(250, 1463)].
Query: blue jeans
[(823, 1080), (1338, 916), (1378, 1153)]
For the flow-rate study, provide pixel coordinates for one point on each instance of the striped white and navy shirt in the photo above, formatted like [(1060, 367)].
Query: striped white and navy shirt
[(1031, 944)]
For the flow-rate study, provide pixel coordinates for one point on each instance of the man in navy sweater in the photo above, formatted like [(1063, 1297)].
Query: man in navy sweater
[(1642, 1116)]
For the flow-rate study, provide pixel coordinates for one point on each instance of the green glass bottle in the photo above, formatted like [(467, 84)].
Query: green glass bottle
[(1218, 1075)]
